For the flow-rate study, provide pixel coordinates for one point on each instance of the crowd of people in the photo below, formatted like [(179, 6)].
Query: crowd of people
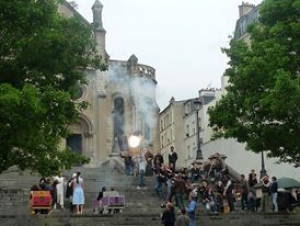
[(206, 187), (182, 191)]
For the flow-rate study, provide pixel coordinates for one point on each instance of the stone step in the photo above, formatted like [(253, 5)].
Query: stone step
[(82, 220), (148, 220)]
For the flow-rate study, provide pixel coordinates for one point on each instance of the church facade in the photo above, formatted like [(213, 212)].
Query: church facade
[(122, 102)]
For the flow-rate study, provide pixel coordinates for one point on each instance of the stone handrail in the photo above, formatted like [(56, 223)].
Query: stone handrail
[(147, 71)]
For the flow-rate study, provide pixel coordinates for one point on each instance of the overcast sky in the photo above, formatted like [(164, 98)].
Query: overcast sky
[(181, 39)]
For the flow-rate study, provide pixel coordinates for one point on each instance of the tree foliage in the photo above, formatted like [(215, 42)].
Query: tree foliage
[(262, 104), (42, 59)]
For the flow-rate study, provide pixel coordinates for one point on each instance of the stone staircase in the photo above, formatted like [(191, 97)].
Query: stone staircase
[(142, 206)]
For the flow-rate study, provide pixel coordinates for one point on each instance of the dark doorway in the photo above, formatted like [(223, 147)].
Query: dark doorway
[(74, 141)]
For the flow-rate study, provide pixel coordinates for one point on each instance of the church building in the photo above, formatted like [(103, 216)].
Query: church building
[(122, 102)]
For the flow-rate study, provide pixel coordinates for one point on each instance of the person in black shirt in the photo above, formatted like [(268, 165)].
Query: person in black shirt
[(168, 216), (173, 157), (228, 192), (274, 192), (99, 200), (245, 192), (252, 180), (298, 196), (195, 172)]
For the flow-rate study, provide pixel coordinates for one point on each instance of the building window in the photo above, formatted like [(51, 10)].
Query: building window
[(168, 119), (79, 93), (189, 151), (187, 132), (147, 131), (243, 26)]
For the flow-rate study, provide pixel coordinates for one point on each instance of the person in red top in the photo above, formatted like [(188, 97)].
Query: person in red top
[(179, 189)]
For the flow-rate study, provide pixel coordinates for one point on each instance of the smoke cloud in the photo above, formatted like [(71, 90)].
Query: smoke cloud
[(140, 89)]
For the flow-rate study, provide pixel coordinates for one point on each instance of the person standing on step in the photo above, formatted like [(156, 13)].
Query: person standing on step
[(252, 179), (195, 171), (149, 158), (274, 193), (69, 191), (265, 193), (60, 187), (142, 163), (173, 157), (78, 194), (228, 192), (245, 192), (99, 207), (158, 160), (168, 216), (191, 210), (182, 219), (180, 190), (128, 162)]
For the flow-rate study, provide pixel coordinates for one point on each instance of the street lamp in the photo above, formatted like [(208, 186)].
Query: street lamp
[(263, 171), (135, 141), (199, 156)]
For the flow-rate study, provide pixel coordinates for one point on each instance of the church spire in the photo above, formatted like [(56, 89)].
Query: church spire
[(99, 31), (97, 15)]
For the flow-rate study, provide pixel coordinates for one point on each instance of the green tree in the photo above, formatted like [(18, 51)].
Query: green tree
[(262, 105), (42, 59)]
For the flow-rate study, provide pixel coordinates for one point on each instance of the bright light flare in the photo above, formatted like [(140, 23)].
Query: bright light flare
[(134, 141)]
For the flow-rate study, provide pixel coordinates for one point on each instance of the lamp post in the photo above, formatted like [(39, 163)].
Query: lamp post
[(199, 155), (263, 171)]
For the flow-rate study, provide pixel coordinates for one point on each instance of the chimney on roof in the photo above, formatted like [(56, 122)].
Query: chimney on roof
[(132, 65), (245, 8)]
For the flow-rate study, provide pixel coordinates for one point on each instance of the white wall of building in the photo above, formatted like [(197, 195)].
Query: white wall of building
[(172, 131), (243, 161), (190, 129)]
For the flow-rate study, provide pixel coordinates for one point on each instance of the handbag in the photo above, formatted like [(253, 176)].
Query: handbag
[(207, 206)]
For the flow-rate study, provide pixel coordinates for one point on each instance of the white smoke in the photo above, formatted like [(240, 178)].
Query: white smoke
[(140, 88)]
